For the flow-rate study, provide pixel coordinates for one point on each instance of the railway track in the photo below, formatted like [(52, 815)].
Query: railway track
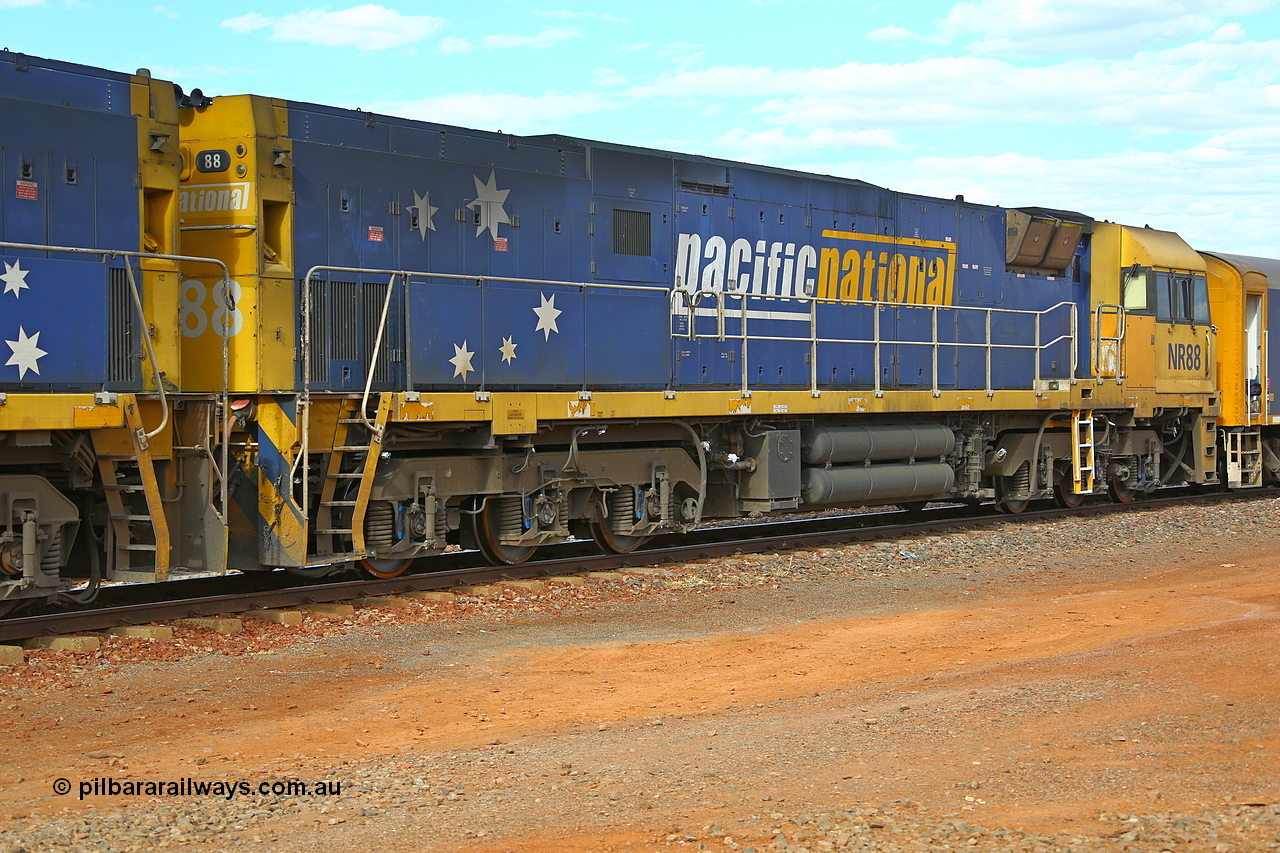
[(140, 604)]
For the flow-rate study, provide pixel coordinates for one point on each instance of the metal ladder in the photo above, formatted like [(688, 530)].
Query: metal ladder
[(1244, 458), (125, 516), (1083, 462), (353, 457)]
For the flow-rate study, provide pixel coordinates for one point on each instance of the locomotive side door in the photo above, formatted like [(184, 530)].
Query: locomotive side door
[(1184, 338)]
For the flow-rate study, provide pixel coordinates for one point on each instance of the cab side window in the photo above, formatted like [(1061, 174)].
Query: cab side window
[(1182, 298), (1135, 289)]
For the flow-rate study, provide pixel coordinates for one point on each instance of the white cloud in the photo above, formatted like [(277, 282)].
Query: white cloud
[(247, 23), (454, 44), (522, 114), (1232, 32), (566, 15), (198, 75), (1164, 189), (775, 143), (549, 37), (891, 33), (20, 4), (368, 27), (167, 12), (1103, 28), (606, 77), (1202, 86)]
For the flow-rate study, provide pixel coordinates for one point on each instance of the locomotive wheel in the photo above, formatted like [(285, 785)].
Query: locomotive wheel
[(384, 568), (1012, 506), (1120, 493), (614, 543), (1063, 494), (484, 528)]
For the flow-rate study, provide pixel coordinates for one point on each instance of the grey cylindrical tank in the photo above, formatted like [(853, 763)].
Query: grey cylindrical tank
[(887, 483), (877, 442)]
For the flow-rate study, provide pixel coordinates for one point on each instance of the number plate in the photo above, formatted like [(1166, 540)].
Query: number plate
[(215, 160)]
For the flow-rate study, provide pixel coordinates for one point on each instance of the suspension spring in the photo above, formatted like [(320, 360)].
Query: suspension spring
[(380, 525), (622, 509), (510, 515), (1022, 479)]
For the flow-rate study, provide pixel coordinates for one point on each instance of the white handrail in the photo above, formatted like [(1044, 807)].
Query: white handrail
[(692, 298), (226, 342)]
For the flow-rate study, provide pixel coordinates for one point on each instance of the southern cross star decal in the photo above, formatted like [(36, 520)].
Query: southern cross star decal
[(26, 353), (422, 204), (489, 203), (461, 361), (14, 278), (508, 350), (547, 313)]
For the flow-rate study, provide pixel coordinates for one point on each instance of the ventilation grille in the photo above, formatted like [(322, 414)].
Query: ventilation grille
[(704, 188), (372, 297), (632, 232), (124, 351), (318, 359), (344, 327)]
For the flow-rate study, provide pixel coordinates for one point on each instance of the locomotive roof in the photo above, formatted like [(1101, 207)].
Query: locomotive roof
[(1270, 267), (581, 145)]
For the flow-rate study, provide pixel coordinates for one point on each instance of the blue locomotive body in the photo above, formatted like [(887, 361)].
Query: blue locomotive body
[(69, 169), (558, 263)]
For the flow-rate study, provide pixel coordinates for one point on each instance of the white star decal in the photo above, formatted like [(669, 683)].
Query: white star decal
[(508, 350), (461, 361), (25, 353), (14, 278), (489, 202), (547, 313), (422, 204)]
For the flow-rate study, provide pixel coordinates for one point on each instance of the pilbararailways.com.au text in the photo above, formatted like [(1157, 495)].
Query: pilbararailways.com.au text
[(227, 789)]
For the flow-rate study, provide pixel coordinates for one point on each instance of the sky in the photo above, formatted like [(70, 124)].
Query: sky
[(1148, 112)]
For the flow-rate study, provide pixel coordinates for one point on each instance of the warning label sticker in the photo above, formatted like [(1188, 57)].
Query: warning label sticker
[(500, 244), (376, 234), (27, 189)]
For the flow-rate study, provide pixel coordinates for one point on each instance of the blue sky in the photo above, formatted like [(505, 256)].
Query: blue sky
[(1159, 112)]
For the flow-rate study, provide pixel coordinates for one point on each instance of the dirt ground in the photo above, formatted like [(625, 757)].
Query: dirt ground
[(1058, 698)]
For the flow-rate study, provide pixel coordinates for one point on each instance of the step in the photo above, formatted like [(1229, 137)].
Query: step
[(115, 487), (137, 547), (351, 448), (344, 476), (338, 503), (130, 517), (333, 532), (350, 421)]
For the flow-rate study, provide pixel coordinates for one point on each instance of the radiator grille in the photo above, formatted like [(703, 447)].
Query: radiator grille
[(372, 297), (344, 327), (318, 358), (632, 232), (123, 348), (704, 188)]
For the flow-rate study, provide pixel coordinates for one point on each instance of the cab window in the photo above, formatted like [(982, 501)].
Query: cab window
[(1200, 302), (1135, 289), (1182, 298)]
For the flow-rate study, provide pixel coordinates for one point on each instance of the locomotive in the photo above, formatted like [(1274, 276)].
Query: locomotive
[(249, 334)]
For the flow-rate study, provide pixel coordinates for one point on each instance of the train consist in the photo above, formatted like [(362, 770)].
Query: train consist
[(243, 334)]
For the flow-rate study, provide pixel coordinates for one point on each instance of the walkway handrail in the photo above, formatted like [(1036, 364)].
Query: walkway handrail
[(877, 341), (137, 302)]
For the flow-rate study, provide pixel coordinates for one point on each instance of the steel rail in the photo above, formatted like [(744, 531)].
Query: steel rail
[(717, 542)]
